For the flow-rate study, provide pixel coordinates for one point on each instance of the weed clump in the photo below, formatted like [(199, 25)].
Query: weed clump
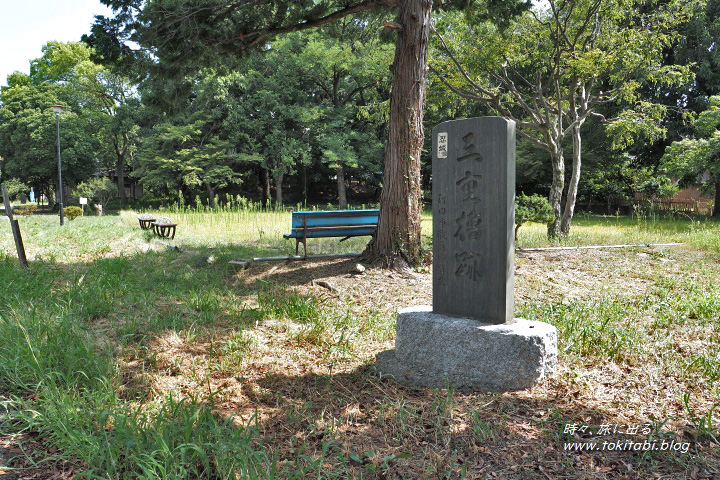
[(72, 212)]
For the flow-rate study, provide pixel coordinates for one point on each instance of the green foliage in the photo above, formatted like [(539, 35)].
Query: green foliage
[(695, 155), (532, 208), (659, 186), (349, 67), (25, 210), (642, 119), (696, 46), (182, 155), (28, 135), (555, 66), (15, 187), (94, 126), (72, 212), (96, 189), (59, 62)]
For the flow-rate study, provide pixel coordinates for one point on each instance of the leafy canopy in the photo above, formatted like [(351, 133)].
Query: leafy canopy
[(695, 155)]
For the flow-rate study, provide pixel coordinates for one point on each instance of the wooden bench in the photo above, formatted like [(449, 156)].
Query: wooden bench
[(164, 227), (146, 220), (334, 223)]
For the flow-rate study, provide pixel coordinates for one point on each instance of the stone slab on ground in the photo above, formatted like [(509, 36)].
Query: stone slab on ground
[(435, 350)]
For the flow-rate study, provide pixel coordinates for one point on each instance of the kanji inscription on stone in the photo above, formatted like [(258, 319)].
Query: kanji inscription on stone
[(473, 187)]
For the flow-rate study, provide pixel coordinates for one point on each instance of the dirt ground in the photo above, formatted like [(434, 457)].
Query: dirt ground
[(554, 275)]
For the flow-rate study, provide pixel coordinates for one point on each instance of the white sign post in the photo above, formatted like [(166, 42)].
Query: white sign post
[(83, 202)]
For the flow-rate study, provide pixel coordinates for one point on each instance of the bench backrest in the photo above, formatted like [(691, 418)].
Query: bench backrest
[(335, 222)]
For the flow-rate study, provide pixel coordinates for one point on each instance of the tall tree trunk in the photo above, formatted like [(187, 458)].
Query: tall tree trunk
[(342, 191), (304, 183), (716, 202), (120, 173), (278, 188), (211, 194), (556, 190), (265, 181), (574, 181), (397, 240)]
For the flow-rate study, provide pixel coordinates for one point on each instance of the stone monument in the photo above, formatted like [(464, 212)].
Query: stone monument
[(470, 338)]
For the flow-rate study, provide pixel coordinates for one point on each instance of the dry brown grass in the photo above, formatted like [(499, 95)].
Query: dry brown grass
[(314, 398)]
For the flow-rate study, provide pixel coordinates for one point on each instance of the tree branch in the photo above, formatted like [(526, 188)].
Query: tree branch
[(261, 34), (459, 67)]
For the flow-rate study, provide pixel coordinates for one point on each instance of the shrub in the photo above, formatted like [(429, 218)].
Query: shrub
[(533, 208), (25, 210), (72, 212)]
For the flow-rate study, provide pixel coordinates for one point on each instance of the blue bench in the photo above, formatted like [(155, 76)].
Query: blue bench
[(333, 223)]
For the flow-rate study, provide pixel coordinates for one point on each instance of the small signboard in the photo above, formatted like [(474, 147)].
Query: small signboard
[(442, 145), (83, 201)]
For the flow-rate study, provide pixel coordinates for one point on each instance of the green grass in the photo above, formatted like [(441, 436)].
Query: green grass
[(240, 222), (80, 327), (177, 439), (616, 230)]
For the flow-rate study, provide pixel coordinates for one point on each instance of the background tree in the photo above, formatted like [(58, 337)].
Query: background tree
[(694, 156), (185, 156), (554, 68), (15, 188), (531, 208), (346, 62), (28, 144), (98, 115), (106, 98), (117, 109), (694, 46), (99, 190), (181, 36), (268, 119)]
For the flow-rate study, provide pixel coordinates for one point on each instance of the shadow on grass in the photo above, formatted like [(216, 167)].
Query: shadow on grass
[(360, 425)]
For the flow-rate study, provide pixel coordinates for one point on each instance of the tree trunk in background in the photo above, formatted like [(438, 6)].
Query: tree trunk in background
[(278, 188), (265, 185), (120, 173), (303, 183), (342, 191), (556, 191), (716, 202), (211, 195), (121, 143), (574, 181), (397, 241)]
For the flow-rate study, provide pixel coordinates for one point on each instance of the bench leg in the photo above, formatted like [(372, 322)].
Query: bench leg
[(305, 246)]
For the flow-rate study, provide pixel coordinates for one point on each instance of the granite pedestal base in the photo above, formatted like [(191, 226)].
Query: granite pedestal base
[(436, 351)]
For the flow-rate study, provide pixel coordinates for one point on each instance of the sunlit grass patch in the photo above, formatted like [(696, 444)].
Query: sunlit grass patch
[(616, 230)]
